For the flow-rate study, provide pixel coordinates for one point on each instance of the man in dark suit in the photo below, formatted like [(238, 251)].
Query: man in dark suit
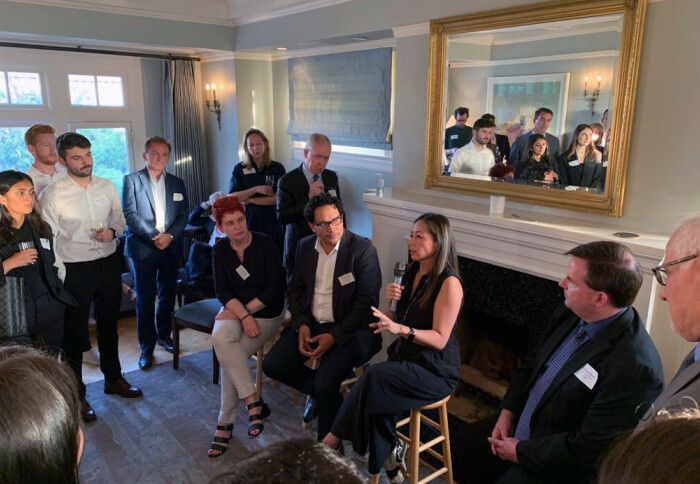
[(679, 276), (335, 282), (519, 151), (595, 373), (500, 145), (155, 208), (297, 187), (459, 134)]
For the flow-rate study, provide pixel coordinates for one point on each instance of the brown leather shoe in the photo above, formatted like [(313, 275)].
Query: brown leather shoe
[(122, 388), (87, 412)]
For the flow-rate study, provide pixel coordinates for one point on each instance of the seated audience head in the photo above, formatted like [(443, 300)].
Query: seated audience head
[(661, 452), (39, 418), (324, 214), (317, 153), (602, 278), (215, 196), (483, 131), (582, 138), (543, 118), (502, 170), (461, 116), (41, 143), (294, 461), (229, 214), (74, 152), (17, 200), (156, 154), (257, 148), (537, 147), (598, 132), (679, 276), (431, 241)]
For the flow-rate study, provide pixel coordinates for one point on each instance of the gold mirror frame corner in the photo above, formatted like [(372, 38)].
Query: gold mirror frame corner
[(610, 203)]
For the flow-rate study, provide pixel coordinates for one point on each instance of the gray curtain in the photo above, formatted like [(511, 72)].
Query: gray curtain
[(183, 127)]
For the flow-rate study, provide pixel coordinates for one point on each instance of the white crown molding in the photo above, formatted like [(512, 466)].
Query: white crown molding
[(283, 12), (226, 55), (422, 28), (349, 160), (334, 49), (529, 60)]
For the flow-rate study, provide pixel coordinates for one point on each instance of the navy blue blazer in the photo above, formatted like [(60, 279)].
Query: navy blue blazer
[(139, 212), (352, 301)]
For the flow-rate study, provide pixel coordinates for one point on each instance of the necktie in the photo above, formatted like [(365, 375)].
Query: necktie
[(561, 356), (315, 178), (689, 360)]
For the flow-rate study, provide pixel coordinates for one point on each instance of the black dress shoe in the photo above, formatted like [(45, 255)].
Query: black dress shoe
[(122, 388), (87, 412), (309, 410), (166, 343), (146, 361)]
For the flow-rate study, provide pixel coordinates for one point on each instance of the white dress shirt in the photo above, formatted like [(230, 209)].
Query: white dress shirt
[(158, 188), (322, 302), (470, 161), (74, 212), (42, 181)]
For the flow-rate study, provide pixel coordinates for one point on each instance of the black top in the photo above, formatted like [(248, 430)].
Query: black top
[(34, 279), (262, 261), (457, 136), (445, 362)]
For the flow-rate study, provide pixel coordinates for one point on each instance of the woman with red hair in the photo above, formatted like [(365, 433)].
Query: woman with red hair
[(249, 282)]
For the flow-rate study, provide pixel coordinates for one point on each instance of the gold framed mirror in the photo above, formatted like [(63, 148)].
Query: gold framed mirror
[(577, 58)]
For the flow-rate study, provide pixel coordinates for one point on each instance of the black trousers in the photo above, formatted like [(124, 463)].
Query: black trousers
[(284, 363), (95, 282)]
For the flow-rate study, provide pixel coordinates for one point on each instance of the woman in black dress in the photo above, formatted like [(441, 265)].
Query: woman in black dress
[(21, 226), (538, 167), (424, 361), (254, 182)]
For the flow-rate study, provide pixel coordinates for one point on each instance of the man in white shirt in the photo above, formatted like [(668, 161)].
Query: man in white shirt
[(476, 158), (336, 280), (41, 143), (85, 216)]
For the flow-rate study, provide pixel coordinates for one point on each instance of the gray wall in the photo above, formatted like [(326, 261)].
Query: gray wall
[(255, 76), (152, 77)]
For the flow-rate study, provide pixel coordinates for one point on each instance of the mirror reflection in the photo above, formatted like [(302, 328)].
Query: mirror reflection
[(531, 104)]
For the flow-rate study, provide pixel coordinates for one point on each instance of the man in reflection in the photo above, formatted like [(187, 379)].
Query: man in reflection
[(476, 158), (458, 135), (499, 144), (519, 150), (41, 143)]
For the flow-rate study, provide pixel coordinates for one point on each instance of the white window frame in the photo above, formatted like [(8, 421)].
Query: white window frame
[(342, 156), (97, 92), (42, 84)]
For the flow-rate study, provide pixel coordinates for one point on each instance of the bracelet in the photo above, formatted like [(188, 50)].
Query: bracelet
[(247, 315)]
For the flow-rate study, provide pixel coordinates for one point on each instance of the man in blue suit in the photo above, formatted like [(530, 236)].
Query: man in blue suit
[(155, 209)]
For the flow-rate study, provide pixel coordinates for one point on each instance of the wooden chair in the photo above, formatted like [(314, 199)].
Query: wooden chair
[(199, 316), (415, 446)]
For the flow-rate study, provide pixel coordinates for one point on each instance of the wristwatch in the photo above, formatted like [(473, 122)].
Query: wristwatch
[(411, 334)]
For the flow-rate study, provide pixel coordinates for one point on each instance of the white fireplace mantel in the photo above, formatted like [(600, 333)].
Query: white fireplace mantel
[(524, 241)]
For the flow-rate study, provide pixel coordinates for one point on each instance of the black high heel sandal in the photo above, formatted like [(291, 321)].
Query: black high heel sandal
[(220, 444), (255, 429)]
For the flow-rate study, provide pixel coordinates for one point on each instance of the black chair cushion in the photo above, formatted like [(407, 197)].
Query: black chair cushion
[(201, 313)]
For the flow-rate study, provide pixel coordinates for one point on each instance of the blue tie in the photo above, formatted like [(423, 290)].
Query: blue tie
[(315, 178), (557, 362), (689, 360)]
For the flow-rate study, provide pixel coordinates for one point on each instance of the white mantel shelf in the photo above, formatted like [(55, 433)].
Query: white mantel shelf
[(525, 241)]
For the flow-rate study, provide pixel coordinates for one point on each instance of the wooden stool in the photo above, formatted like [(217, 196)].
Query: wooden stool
[(345, 385), (415, 446)]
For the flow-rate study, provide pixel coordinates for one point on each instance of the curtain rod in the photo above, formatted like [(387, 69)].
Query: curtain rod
[(89, 50)]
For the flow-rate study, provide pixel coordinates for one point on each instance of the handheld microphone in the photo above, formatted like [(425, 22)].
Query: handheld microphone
[(399, 270)]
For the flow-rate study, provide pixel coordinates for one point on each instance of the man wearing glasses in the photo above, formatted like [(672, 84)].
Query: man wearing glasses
[(336, 280), (679, 277)]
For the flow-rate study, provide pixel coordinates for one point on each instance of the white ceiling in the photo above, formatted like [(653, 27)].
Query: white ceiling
[(220, 12)]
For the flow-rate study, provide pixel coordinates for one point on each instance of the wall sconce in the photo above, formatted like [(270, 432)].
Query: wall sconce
[(213, 104), (592, 96)]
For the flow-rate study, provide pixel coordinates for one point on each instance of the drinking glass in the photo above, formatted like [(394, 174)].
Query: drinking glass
[(25, 244), (270, 181)]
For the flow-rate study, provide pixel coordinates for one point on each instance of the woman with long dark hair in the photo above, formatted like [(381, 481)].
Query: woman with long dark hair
[(27, 252), (423, 365), (538, 167), (254, 182), (581, 164)]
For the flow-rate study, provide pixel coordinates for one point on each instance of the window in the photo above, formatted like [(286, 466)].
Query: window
[(21, 89), (105, 91), (110, 150), (14, 152)]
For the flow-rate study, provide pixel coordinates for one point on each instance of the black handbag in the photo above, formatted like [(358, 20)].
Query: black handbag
[(13, 317)]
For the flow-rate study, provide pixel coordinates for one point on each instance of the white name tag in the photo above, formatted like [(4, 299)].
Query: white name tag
[(45, 244), (333, 193), (177, 197), (242, 272), (605, 164), (346, 279), (587, 375), (249, 171), (454, 136), (574, 163)]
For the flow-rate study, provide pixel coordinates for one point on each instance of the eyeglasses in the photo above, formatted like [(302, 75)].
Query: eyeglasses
[(335, 222), (660, 271)]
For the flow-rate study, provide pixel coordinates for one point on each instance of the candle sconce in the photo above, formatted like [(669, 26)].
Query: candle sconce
[(213, 104), (592, 96)]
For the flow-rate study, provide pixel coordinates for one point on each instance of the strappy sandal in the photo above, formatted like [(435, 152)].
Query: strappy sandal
[(255, 429), (220, 444)]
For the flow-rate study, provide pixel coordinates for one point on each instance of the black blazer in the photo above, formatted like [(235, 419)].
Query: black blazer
[(503, 146), (586, 174), (292, 197), (573, 425), (351, 302), (680, 393)]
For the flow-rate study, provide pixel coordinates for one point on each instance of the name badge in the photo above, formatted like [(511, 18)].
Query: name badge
[(243, 272), (454, 136), (333, 193), (249, 171), (574, 163), (45, 243), (177, 197), (346, 279), (605, 164), (587, 375)]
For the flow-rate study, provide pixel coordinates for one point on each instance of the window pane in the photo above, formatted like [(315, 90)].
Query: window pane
[(82, 90), (3, 89), (110, 153), (25, 88), (109, 91), (14, 152)]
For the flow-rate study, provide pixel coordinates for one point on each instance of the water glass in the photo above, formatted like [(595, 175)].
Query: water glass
[(25, 244), (379, 183), (270, 181)]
